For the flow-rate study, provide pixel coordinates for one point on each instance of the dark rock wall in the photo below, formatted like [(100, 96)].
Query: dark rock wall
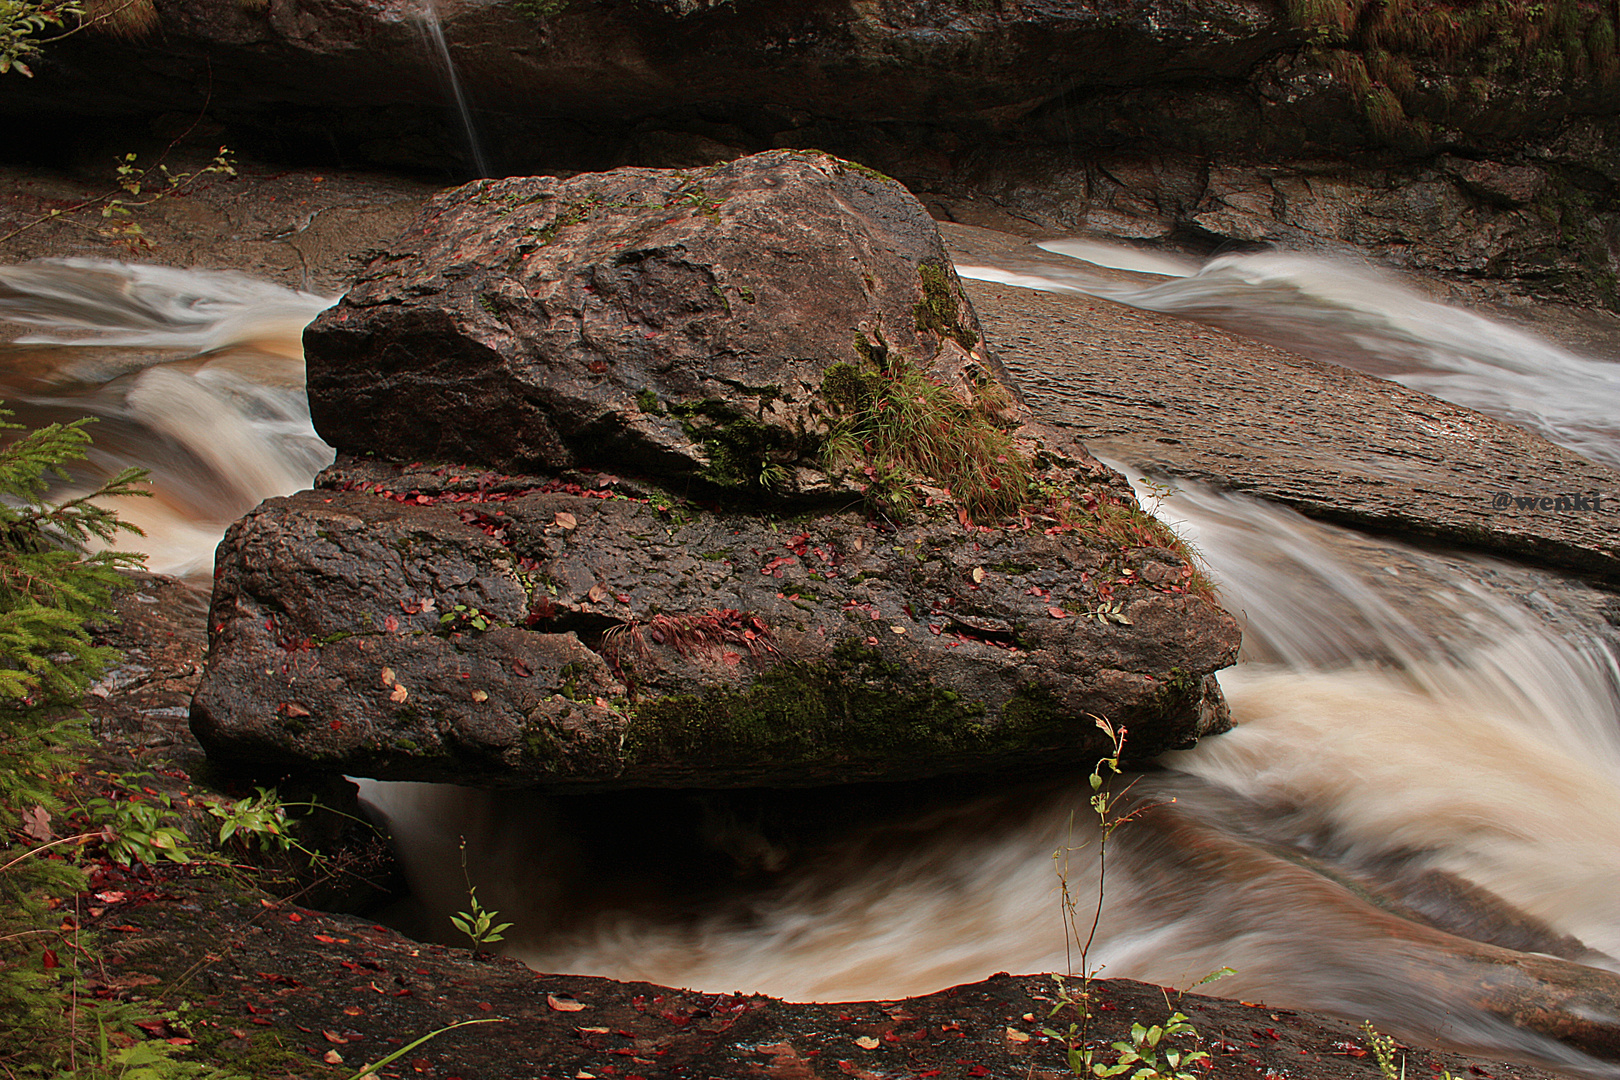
[(1475, 141)]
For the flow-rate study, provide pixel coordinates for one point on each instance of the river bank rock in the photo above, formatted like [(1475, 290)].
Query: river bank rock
[(733, 614), (1330, 442)]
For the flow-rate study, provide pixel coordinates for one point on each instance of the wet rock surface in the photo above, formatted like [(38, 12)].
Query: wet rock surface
[(1204, 404), (576, 635), (345, 992), (677, 322), (277, 988), (736, 617)]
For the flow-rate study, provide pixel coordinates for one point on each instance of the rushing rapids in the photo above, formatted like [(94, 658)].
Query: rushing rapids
[(1426, 767)]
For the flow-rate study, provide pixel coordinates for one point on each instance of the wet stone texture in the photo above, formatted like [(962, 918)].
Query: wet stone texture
[(737, 610), (582, 635)]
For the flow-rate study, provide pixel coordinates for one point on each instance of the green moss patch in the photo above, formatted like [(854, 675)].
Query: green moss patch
[(858, 705)]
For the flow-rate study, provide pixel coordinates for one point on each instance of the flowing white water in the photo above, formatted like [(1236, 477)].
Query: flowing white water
[(433, 34), (197, 376), (1405, 717), (1361, 317)]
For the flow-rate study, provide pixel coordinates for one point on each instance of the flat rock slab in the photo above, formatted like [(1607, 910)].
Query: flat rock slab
[(1177, 399), (403, 627)]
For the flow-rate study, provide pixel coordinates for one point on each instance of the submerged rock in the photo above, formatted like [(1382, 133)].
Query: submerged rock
[(883, 570)]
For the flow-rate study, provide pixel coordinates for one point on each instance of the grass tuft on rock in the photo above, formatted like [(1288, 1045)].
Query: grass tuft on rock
[(895, 424)]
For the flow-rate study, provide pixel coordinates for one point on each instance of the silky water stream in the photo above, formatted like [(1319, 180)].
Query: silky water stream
[(1427, 753)]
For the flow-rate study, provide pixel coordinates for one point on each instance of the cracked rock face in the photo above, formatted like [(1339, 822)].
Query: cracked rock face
[(678, 323), (667, 583)]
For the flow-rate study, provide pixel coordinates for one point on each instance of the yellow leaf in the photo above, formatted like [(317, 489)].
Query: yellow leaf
[(978, 574), (480, 696)]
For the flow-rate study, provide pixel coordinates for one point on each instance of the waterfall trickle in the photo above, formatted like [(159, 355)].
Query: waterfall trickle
[(432, 30)]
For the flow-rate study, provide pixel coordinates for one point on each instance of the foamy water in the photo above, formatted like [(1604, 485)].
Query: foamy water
[(195, 375)]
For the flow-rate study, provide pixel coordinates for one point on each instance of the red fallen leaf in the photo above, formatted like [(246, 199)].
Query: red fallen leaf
[(978, 1070), (485, 1006), (50, 959), (177, 1041), (336, 725), (564, 1003), (623, 598), (294, 709), (522, 670), (599, 366), (331, 940), (333, 1037), (293, 916), (1057, 613), (262, 1021), (391, 625), (151, 1027)]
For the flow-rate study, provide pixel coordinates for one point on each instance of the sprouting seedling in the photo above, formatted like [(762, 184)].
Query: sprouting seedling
[(477, 922)]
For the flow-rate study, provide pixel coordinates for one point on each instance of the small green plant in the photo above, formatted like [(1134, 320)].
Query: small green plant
[(1109, 611), (1383, 1049), (370, 1070), (1147, 1055), (257, 819), (464, 615), (476, 922), (21, 23), (141, 830), (49, 587), (137, 186)]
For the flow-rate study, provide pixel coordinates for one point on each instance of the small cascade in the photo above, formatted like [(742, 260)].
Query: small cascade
[(194, 375), (433, 31)]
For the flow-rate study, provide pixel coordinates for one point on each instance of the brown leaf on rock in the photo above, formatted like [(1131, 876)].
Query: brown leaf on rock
[(1057, 613), (567, 520), (399, 694)]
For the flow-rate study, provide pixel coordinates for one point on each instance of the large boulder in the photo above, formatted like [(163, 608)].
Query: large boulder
[(728, 492), (677, 323)]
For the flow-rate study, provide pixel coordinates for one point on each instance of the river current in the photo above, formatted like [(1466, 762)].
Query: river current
[(1435, 729)]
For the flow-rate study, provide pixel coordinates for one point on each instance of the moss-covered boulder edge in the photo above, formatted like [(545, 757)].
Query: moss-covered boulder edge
[(712, 481)]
